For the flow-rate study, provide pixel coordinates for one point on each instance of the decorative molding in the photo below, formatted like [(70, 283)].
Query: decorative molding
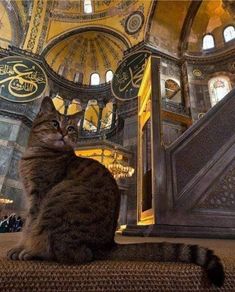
[(222, 194), (36, 25), (134, 22), (212, 58)]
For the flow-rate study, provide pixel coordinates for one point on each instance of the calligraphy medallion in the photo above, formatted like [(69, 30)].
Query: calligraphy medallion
[(21, 79), (128, 76)]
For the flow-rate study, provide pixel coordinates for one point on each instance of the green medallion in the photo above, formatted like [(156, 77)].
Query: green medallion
[(21, 79), (128, 76)]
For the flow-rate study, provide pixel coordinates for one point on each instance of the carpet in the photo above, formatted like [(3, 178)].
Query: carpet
[(114, 276)]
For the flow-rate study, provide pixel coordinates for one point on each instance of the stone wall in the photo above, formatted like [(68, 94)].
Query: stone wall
[(199, 76), (13, 139)]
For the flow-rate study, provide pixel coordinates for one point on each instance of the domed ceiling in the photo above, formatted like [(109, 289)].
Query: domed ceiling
[(212, 17), (86, 42), (178, 25), (13, 20), (96, 41), (86, 53)]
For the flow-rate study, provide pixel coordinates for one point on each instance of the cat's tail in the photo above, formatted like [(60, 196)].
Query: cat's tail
[(169, 252)]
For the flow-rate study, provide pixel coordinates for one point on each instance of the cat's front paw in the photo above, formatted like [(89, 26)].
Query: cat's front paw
[(19, 253), (13, 254)]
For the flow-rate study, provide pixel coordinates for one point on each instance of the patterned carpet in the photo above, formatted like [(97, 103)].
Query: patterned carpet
[(114, 276)]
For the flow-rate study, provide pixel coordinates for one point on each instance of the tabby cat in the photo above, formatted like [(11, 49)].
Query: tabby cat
[(74, 204)]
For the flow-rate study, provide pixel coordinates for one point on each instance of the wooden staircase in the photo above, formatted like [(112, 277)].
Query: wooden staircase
[(197, 196)]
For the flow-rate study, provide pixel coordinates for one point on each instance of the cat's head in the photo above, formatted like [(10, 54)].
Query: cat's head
[(54, 130)]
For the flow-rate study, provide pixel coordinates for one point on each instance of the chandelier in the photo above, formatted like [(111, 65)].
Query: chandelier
[(119, 170), (5, 201)]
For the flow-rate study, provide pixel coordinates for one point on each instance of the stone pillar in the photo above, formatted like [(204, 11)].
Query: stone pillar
[(114, 116), (185, 87), (101, 107), (130, 142), (123, 209)]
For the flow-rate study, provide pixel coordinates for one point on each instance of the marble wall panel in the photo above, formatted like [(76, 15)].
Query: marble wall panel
[(13, 169), (5, 159)]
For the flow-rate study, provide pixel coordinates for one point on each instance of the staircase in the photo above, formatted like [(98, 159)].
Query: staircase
[(198, 197)]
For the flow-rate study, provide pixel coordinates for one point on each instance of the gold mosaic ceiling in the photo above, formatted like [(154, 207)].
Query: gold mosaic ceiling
[(86, 52), (95, 42)]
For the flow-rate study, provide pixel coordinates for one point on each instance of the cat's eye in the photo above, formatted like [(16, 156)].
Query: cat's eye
[(71, 129), (55, 124)]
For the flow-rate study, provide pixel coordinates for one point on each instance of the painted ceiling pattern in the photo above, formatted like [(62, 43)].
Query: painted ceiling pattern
[(86, 53)]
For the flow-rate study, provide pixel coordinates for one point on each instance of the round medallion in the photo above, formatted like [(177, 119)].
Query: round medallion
[(197, 73), (128, 76), (134, 22), (21, 79)]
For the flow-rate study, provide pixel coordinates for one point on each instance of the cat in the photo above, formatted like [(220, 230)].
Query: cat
[(74, 204)]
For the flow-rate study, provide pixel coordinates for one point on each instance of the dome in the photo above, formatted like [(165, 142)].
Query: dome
[(78, 56)]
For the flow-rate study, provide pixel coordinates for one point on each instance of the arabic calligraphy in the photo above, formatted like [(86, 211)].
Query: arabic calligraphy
[(127, 78), (21, 79)]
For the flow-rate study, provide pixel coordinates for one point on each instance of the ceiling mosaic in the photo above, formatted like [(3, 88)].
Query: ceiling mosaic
[(92, 42), (13, 21)]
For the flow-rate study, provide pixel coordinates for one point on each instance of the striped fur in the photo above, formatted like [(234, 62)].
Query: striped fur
[(74, 205)]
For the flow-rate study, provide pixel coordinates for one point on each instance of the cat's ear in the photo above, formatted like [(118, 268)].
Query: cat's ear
[(47, 105)]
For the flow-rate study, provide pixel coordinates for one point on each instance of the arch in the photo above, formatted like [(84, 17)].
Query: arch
[(107, 116), (229, 33), (208, 42), (171, 88), (91, 116), (74, 107), (95, 79), (70, 33), (109, 76), (187, 25), (218, 86), (59, 104)]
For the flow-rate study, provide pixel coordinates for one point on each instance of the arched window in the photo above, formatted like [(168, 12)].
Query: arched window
[(74, 107), (95, 79), (229, 33), (59, 104), (109, 75), (91, 116), (61, 70), (88, 6), (172, 91), (76, 77), (107, 116), (208, 42), (171, 88), (218, 88)]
